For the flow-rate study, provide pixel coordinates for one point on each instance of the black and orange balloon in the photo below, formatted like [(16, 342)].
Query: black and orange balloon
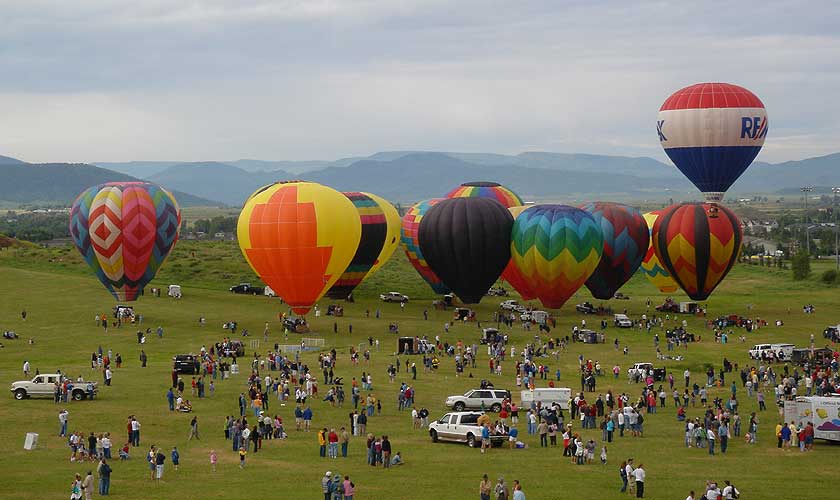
[(466, 242), (697, 245)]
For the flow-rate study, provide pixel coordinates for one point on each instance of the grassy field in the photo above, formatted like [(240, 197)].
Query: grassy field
[(61, 300)]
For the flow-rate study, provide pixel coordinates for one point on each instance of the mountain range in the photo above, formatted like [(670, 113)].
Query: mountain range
[(408, 176)]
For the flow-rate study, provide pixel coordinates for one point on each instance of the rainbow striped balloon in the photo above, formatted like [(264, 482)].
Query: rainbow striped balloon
[(492, 190), (651, 267), (411, 244), (557, 247), (125, 231)]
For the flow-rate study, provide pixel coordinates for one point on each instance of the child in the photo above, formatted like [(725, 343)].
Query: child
[(604, 455), (175, 457), (213, 459), (242, 454)]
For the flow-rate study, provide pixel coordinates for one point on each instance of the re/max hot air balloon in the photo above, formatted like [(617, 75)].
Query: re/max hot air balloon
[(492, 190), (512, 274), (392, 237), (410, 242), (299, 237), (697, 248), (374, 232), (466, 242), (712, 132), (557, 247), (626, 239), (124, 231), (651, 266)]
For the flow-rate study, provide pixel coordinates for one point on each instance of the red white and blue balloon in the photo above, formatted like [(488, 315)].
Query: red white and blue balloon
[(712, 132)]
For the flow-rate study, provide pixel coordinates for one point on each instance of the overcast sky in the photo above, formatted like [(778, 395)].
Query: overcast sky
[(88, 81)]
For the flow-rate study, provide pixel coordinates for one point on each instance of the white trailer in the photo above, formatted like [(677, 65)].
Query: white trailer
[(823, 412), (548, 396)]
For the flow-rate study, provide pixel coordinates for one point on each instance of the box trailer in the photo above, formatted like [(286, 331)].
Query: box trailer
[(548, 396), (823, 412)]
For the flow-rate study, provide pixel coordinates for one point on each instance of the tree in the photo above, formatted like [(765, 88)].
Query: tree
[(801, 265)]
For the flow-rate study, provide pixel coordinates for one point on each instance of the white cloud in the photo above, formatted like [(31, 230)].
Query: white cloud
[(119, 80)]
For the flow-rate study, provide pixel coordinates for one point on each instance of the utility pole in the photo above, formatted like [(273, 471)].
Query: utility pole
[(836, 191), (805, 191)]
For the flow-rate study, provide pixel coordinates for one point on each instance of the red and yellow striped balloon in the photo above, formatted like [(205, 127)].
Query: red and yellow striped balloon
[(696, 246)]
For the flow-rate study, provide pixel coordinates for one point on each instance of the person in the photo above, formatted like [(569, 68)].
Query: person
[(349, 488), (518, 494), (690, 495), (622, 472), (170, 398), (485, 437), (386, 452), (160, 458), (484, 488), (344, 441), (193, 430), (513, 434), (143, 358), (397, 459), (242, 453), (501, 490), (76, 488), (639, 475), (26, 367), (326, 485), (87, 485), (176, 457), (730, 492), (213, 459), (104, 478), (63, 415)]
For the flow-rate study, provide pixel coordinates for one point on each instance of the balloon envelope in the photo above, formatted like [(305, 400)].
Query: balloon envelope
[(626, 239), (125, 231), (712, 132), (466, 241), (299, 237), (392, 236), (696, 248), (651, 267), (557, 247), (512, 274), (371, 242), (492, 190), (410, 242)]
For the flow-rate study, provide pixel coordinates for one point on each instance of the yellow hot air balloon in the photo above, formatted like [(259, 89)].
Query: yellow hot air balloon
[(392, 237), (299, 237), (651, 266)]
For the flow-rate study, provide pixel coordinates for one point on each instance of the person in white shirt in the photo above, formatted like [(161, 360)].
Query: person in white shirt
[(713, 491), (690, 495), (730, 492), (639, 475)]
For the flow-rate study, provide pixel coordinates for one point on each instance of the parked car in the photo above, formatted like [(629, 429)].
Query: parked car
[(461, 427), (246, 288), (620, 296), (586, 308), (43, 385), (780, 351), (640, 369), (477, 399), (393, 297), (512, 305), (497, 292), (622, 321), (490, 336), (174, 291)]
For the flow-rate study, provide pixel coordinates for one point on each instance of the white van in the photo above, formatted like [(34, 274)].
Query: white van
[(547, 396), (760, 351), (539, 317), (622, 321)]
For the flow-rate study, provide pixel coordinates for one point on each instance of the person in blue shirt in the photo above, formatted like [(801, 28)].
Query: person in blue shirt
[(485, 437), (170, 397), (175, 457), (513, 433), (307, 418)]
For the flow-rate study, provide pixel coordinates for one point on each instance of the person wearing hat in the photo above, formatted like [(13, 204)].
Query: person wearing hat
[(501, 490), (337, 489), (326, 484)]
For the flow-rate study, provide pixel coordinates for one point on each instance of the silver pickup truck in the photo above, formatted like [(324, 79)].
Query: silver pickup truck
[(43, 385)]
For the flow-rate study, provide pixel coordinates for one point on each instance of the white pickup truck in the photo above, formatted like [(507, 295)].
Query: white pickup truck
[(461, 427), (43, 385)]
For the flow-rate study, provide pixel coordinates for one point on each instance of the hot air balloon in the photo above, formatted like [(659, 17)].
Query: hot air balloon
[(512, 274), (712, 132), (696, 248), (466, 242), (374, 232), (410, 242), (392, 237), (492, 190), (557, 247), (299, 237), (124, 231), (651, 267), (626, 239)]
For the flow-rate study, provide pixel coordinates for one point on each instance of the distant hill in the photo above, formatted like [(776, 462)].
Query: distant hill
[(61, 182), (139, 169), (217, 181), (7, 160)]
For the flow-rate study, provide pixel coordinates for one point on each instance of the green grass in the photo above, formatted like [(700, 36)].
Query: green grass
[(62, 299)]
